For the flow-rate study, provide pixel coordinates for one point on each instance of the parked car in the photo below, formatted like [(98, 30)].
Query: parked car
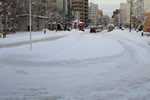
[(148, 30), (94, 29), (81, 28), (0, 35)]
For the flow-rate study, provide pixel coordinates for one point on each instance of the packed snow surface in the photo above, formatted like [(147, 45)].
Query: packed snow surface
[(24, 36), (102, 66), (73, 47)]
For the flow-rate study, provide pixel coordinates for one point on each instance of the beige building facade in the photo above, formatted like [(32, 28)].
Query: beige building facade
[(93, 13), (126, 11)]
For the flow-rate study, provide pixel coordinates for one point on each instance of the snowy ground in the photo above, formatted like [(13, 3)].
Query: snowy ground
[(24, 36), (103, 66)]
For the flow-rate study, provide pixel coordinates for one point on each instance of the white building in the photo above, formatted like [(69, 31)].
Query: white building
[(93, 13), (124, 13), (126, 10), (60, 6)]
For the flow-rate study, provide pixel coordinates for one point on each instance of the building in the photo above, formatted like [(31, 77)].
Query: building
[(93, 13), (64, 9), (146, 15), (131, 2), (23, 23), (126, 12), (100, 13), (40, 18), (18, 18), (60, 5), (116, 17), (80, 6), (142, 13)]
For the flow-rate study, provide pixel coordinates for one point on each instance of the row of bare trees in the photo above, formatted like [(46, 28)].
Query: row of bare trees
[(12, 9)]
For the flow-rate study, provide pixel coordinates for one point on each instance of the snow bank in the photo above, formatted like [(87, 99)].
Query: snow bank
[(133, 36), (24, 36), (73, 47), (139, 44)]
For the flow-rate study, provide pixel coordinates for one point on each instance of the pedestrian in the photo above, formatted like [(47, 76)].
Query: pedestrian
[(56, 27), (4, 35), (142, 34), (44, 31), (0, 35)]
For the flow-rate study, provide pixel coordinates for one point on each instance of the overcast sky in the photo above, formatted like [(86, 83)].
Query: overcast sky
[(108, 6)]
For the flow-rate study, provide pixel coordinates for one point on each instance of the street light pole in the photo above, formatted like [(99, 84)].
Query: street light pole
[(30, 22), (130, 14), (69, 14), (64, 12)]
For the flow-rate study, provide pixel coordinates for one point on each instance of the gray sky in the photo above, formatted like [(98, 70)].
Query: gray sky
[(108, 6)]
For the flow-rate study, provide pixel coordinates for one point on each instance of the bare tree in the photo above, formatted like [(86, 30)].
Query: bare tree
[(5, 13), (12, 9)]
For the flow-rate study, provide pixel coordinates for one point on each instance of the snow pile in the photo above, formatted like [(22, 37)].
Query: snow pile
[(135, 41), (133, 36), (24, 36), (73, 47), (149, 40)]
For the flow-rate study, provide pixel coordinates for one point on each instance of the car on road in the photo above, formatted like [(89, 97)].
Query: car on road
[(95, 29), (81, 28)]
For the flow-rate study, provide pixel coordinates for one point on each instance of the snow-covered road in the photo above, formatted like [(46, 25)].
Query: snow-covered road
[(110, 66)]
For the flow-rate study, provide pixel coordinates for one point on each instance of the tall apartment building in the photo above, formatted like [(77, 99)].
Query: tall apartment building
[(60, 5), (124, 13), (126, 10), (81, 6), (116, 17), (100, 13), (64, 9), (93, 13)]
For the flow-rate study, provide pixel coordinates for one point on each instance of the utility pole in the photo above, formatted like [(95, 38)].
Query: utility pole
[(130, 14), (69, 13), (30, 22), (77, 19), (64, 12)]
